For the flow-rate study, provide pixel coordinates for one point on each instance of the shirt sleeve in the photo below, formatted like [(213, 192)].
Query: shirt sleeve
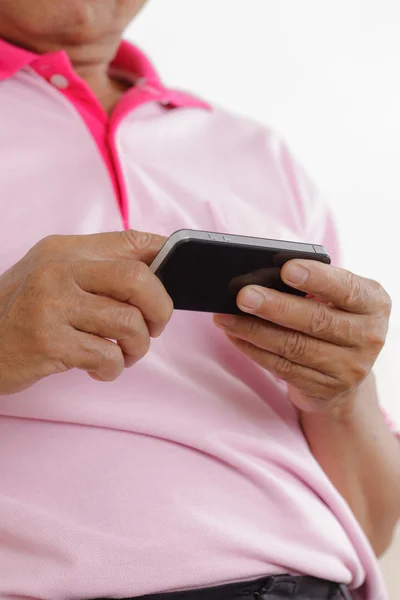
[(319, 226)]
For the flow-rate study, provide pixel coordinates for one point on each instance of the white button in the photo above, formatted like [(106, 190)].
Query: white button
[(59, 81)]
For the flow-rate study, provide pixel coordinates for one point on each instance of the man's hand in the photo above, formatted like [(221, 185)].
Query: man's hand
[(324, 349), (64, 302)]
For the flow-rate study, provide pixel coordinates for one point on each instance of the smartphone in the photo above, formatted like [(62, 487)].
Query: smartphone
[(204, 271)]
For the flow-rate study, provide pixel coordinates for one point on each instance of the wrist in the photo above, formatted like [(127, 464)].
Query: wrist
[(349, 407)]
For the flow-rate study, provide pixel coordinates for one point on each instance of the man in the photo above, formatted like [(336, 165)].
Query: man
[(238, 457)]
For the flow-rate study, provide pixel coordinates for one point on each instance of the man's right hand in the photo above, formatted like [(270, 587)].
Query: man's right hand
[(69, 296)]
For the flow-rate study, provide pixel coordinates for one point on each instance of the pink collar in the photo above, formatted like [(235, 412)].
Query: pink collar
[(13, 58), (129, 59)]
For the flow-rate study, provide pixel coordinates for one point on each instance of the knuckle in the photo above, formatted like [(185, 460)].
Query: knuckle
[(107, 357), (128, 320), (294, 345), (379, 296), (110, 353), (79, 269), (253, 328), (385, 301), (139, 271), (329, 384), (321, 320), (48, 245), (349, 327), (351, 369), (283, 367), (143, 346), (85, 356), (136, 240), (354, 291), (375, 336), (358, 372), (282, 306)]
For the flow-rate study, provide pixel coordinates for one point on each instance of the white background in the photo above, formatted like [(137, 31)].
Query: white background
[(327, 75)]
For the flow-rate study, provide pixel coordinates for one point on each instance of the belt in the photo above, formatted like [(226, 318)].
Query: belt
[(277, 587)]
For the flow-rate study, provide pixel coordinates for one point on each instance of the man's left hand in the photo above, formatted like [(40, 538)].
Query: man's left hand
[(325, 345)]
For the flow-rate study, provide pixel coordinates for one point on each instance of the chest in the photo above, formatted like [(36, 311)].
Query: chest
[(175, 169)]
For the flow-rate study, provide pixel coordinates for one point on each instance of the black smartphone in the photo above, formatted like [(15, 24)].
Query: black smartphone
[(204, 271)]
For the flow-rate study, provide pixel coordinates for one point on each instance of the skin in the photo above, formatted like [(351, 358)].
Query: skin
[(88, 30), (100, 288)]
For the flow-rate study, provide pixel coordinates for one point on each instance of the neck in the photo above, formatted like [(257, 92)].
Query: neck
[(107, 89), (90, 61)]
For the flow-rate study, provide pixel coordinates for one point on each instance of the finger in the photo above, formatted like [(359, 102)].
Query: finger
[(130, 244), (290, 344), (311, 382), (131, 282), (331, 284), (118, 245), (315, 319), (268, 277), (108, 318), (93, 354)]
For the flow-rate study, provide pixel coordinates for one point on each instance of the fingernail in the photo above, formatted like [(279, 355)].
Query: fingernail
[(224, 320), (296, 274), (251, 299)]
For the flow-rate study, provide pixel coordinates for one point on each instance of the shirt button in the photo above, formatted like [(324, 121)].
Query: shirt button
[(59, 81)]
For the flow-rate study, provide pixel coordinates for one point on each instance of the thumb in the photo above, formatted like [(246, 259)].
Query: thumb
[(129, 244)]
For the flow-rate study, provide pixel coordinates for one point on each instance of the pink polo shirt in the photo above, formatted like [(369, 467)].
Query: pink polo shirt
[(191, 470)]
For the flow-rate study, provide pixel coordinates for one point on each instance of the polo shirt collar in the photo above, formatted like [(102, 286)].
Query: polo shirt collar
[(129, 59), (13, 59)]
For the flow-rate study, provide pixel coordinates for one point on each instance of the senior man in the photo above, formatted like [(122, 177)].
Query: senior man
[(239, 457)]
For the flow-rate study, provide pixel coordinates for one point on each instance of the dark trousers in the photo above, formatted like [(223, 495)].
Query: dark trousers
[(277, 587)]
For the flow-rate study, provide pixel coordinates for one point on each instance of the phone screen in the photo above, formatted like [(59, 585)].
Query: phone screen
[(205, 276)]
